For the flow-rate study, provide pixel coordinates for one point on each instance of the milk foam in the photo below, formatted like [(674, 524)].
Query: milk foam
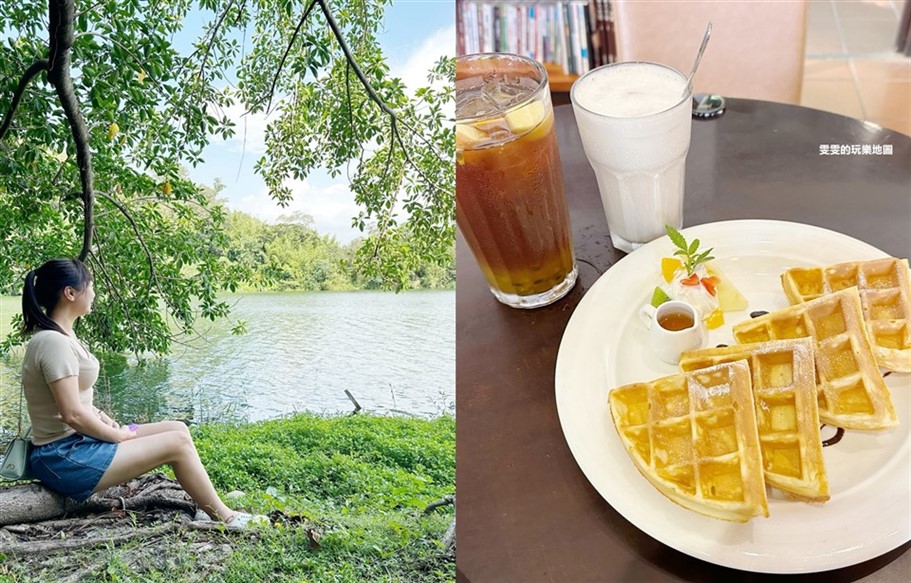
[(629, 90)]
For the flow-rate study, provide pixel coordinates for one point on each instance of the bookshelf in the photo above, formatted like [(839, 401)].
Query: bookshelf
[(569, 37), (560, 80)]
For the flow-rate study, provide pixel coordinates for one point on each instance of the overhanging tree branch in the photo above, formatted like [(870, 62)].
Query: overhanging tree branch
[(60, 28), (393, 132), (417, 168), (27, 77), (205, 56), (351, 119), (153, 278), (281, 63), (336, 31), (114, 290)]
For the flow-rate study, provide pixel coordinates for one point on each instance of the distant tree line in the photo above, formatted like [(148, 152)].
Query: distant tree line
[(290, 255)]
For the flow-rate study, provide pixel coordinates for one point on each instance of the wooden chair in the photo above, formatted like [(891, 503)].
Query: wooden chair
[(756, 50)]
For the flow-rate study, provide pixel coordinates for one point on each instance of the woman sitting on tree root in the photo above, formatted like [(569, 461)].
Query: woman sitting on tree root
[(78, 449)]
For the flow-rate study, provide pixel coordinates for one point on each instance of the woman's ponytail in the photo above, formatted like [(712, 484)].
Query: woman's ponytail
[(42, 289)]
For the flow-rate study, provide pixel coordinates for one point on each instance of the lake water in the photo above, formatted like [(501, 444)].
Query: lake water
[(393, 352)]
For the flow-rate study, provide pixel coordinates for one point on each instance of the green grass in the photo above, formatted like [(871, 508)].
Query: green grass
[(362, 481), (359, 462)]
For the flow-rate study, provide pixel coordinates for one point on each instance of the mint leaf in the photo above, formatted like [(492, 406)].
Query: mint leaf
[(689, 252), (676, 238)]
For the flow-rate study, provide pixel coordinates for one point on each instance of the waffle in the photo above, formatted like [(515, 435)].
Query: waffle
[(885, 295), (784, 392), (693, 436), (850, 391)]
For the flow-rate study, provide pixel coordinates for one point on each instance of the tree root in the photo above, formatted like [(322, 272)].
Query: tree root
[(74, 535), (445, 501), (46, 547)]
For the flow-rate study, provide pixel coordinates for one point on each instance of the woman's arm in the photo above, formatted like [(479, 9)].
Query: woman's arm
[(84, 420), (107, 420)]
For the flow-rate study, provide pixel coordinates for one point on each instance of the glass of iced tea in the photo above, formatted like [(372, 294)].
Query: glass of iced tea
[(510, 204)]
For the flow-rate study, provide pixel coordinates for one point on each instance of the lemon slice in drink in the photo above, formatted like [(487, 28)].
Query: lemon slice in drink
[(525, 118), (468, 136)]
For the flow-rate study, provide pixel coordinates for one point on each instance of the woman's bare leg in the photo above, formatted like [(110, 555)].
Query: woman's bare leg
[(175, 447), (146, 429)]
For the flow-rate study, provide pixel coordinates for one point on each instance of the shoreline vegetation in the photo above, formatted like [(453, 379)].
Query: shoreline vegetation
[(364, 482), (290, 255)]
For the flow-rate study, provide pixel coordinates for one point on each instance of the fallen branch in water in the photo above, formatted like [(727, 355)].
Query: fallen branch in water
[(357, 406)]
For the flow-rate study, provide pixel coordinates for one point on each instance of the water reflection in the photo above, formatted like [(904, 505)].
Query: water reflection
[(394, 352), (147, 391)]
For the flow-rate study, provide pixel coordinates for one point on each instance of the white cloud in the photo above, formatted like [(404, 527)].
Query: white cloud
[(331, 206), (249, 129), (413, 72)]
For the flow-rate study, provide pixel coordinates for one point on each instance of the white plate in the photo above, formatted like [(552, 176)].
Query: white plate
[(605, 346)]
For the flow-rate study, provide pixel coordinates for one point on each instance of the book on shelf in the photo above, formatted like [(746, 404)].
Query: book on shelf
[(574, 35)]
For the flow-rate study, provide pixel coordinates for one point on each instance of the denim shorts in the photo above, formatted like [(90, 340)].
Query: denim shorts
[(72, 466)]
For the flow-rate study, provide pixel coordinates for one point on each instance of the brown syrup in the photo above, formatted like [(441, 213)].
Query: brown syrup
[(839, 433), (675, 321)]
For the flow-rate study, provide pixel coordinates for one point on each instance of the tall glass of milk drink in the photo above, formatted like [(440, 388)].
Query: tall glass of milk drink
[(635, 120)]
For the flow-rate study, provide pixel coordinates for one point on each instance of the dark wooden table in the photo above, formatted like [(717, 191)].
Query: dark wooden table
[(526, 512)]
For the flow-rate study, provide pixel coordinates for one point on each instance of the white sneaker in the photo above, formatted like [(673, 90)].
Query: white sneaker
[(244, 520)]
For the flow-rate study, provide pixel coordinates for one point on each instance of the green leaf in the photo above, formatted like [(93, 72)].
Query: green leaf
[(676, 237)]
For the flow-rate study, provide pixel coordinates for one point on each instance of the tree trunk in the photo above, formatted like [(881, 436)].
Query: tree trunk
[(27, 503), (31, 503)]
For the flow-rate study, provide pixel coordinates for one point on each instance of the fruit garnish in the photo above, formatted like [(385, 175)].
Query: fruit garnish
[(715, 319), (729, 297), (526, 117), (659, 297), (689, 252), (691, 280), (669, 266), (709, 284)]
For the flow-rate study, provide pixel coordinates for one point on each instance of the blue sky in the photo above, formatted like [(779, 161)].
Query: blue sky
[(416, 33)]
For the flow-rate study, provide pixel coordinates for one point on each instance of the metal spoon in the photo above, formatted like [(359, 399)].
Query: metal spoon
[(705, 41)]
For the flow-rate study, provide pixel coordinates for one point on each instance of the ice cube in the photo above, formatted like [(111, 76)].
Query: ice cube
[(473, 104), (468, 84), (528, 84)]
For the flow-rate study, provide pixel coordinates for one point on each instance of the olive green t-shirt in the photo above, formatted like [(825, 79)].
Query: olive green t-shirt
[(51, 356)]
